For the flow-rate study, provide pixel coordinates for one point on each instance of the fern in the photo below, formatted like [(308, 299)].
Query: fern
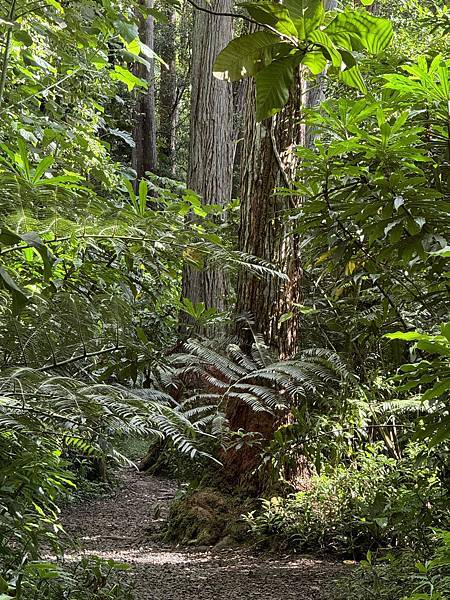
[(259, 381)]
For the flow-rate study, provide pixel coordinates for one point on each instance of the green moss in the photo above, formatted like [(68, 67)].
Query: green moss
[(205, 517)]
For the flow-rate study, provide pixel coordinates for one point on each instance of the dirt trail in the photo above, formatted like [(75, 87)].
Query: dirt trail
[(126, 525)]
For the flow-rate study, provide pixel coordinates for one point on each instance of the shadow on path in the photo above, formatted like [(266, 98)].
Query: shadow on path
[(125, 527)]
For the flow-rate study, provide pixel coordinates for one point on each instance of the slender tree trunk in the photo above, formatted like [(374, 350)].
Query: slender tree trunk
[(168, 96), (144, 153), (211, 140)]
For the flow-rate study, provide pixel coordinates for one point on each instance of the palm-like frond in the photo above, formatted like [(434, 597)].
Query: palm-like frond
[(87, 416), (258, 380)]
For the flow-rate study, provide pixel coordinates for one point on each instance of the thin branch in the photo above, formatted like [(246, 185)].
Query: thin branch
[(74, 359), (233, 15)]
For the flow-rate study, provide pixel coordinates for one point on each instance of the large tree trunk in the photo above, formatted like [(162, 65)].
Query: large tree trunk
[(144, 134), (211, 140), (268, 162), (168, 96)]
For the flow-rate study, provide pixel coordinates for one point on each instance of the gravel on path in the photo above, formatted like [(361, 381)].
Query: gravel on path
[(126, 526)]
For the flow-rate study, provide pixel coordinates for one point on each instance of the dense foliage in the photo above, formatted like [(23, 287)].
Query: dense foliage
[(95, 346)]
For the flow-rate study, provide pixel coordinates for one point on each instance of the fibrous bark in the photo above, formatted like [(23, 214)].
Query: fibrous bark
[(268, 162), (168, 96), (211, 140), (144, 133)]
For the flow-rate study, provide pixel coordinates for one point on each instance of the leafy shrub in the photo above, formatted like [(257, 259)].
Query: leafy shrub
[(375, 501), (32, 478), (434, 579), (395, 577), (387, 578), (91, 578)]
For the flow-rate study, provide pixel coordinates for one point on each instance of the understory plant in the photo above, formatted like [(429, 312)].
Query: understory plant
[(372, 501), (401, 576)]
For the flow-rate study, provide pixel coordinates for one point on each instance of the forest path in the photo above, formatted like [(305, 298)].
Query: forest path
[(125, 527)]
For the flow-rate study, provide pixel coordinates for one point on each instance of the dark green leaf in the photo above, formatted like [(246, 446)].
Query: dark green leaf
[(245, 56)]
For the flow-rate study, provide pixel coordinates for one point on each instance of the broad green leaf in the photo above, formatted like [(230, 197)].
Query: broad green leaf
[(320, 38), (42, 167), (55, 4), (315, 61), (408, 336), (134, 47), (245, 56), (99, 60), (361, 30), (19, 297), (33, 240), (141, 335), (150, 54), (153, 12), (273, 85), (130, 189), (353, 78), (126, 77), (442, 432), (307, 15), (22, 158), (434, 346), (23, 37), (437, 390), (3, 585), (128, 31), (285, 317), (10, 238), (445, 330), (273, 14), (143, 193), (123, 135)]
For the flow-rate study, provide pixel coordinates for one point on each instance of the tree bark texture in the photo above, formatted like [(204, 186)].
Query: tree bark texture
[(268, 162), (144, 134), (211, 149), (168, 96)]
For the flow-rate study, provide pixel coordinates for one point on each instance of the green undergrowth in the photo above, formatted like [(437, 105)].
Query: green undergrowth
[(91, 578), (371, 502), (402, 576)]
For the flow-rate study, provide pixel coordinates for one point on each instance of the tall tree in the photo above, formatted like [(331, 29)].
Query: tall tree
[(168, 95), (144, 132), (269, 162), (211, 148)]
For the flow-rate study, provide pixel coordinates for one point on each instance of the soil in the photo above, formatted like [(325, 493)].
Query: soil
[(127, 525)]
